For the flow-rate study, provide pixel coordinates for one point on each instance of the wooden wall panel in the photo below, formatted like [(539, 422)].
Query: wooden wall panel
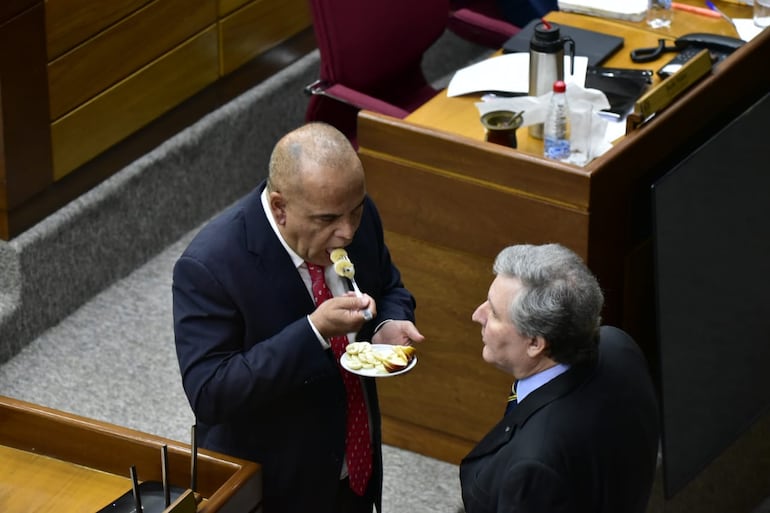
[(452, 392), (70, 22), (477, 161), (477, 218), (117, 52), (259, 26), (225, 7), (134, 102)]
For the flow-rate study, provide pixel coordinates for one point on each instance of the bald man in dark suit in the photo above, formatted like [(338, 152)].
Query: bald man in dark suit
[(253, 340)]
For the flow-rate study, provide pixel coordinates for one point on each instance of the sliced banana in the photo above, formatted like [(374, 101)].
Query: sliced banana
[(345, 268), (338, 254), (361, 355)]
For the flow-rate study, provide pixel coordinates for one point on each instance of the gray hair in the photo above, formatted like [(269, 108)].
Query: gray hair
[(560, 299)]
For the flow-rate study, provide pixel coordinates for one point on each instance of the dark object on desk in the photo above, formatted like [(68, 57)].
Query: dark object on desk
[(152, 499), (719, 48), (594, 45), (621, 86), (717, 44), (501, 126)]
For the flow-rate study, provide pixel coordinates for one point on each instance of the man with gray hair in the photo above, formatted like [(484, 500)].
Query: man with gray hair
[(580, 432)]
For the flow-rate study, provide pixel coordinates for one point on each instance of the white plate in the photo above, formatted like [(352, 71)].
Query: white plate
[(373, 373)]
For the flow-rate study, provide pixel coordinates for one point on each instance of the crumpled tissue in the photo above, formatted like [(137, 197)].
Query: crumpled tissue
[(587, 129)]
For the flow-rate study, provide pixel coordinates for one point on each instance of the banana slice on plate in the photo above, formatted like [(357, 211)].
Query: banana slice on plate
[(378, 359)]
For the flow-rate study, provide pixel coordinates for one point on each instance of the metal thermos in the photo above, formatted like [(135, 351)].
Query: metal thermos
[(546, 63)]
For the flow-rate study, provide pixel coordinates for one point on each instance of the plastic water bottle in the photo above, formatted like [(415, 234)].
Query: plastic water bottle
[(556, 126)]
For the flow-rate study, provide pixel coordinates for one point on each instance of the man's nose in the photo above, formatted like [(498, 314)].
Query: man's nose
[(347, 229), (477, 314)]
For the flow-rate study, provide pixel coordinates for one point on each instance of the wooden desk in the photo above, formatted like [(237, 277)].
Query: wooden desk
[(55, 461), (459, 115), (451, 202)]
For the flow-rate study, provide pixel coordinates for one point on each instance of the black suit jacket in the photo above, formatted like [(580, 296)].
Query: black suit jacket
[(261, 386), (585, 442)]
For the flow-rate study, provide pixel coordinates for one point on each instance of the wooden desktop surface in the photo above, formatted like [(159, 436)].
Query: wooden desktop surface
[(451, 201), (34, 482)]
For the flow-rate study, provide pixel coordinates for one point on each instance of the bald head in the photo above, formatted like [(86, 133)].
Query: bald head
[(316, 191), (309, 153)]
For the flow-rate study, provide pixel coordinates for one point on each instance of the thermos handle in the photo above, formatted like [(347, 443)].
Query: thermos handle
[(568, 40)]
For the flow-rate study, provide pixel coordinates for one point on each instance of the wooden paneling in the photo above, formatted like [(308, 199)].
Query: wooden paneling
[(470, 197), (225, 7), (477, 161), (70, 22), (448, 285), (134, 102), (25, 156), (119, 51), (258, 26)]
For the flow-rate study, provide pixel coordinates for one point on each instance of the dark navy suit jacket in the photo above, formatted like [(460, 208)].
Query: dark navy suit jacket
[(261, 386), (585, 442)]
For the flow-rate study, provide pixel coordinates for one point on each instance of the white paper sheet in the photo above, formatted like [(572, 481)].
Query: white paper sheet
[(746, 28), (633, 10), (507, 73)]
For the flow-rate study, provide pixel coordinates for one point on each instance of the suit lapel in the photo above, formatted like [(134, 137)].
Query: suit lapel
[(283, 283), (558, 387)]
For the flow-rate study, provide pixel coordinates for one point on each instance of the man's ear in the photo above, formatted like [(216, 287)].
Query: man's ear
[(278, 207), (536, 347)]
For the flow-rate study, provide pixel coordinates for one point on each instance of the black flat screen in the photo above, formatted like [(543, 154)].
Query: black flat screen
[(711, 217)]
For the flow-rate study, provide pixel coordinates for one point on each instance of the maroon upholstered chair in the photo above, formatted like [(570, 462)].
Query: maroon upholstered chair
[(371, 54)]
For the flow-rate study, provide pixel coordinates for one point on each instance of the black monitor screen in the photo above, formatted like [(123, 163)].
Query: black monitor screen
[(712, 262)]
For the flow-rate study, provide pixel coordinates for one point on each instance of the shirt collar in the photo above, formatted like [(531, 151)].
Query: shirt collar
[(295, 258), (526, 385)]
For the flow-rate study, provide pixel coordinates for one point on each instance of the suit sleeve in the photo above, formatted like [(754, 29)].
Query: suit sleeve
[(223, 379)]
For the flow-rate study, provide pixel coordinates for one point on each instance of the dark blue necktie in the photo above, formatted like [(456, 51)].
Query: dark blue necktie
[(511, 399)]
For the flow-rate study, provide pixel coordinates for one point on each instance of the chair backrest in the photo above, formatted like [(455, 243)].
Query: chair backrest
[(370, 46), (374, 48)]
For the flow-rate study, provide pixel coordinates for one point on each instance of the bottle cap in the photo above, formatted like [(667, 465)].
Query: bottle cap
[(559, 86)]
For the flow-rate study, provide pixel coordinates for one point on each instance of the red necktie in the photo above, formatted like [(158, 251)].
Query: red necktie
[(358, 447)]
